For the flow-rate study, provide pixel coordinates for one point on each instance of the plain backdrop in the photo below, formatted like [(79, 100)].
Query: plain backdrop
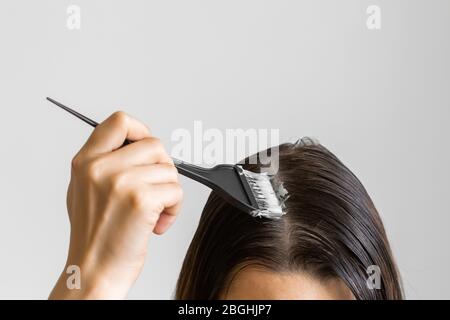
[(379, 99)]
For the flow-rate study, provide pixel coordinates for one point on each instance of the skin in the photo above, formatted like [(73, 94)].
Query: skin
[(253, 283), (119, 196), (116, 199)]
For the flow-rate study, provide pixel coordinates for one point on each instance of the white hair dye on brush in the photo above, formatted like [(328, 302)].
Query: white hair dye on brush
[(269, 193), (268, 190)]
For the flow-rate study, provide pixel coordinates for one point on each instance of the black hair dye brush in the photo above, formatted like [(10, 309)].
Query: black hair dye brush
[(248, 191)]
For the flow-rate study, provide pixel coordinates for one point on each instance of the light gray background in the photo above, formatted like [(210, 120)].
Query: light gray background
[(379, 99)]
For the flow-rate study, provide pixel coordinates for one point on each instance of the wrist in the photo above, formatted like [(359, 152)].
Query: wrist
[(80, 282)]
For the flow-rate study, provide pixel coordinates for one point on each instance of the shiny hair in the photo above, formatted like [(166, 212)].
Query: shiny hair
[(331, 229)]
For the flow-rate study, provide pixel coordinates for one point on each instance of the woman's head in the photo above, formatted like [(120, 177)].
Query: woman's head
[(321, 248)]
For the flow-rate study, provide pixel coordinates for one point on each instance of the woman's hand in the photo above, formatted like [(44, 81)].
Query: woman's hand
[(117, 197)]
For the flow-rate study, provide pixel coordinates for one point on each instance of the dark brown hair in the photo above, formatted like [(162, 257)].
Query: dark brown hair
[(331, 229)]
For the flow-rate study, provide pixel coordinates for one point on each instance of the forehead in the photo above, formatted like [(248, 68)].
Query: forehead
[(257, 283)]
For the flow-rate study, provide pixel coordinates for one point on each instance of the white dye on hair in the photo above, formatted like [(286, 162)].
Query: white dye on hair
[(269, 193)]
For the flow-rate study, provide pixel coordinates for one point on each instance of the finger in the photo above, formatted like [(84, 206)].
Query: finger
[(147, 151), (167, 218), (151, 174), (167, 196), (164, 222), (112, 133)]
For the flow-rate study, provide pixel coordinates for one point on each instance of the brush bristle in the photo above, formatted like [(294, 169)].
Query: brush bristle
[(269, 194)]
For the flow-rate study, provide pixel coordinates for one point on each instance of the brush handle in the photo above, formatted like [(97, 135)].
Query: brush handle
[(202, 175), (194, 172), (199, 174)]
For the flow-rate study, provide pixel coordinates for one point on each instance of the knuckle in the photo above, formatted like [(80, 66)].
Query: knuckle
[(157, 146), (77, 162), (120, 118), (155, 143), (137, 199), (176, 192), (179, 191), (171, 171), (146, 128), (94, 170), (118, 182), (157, 208), (152, 218)]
